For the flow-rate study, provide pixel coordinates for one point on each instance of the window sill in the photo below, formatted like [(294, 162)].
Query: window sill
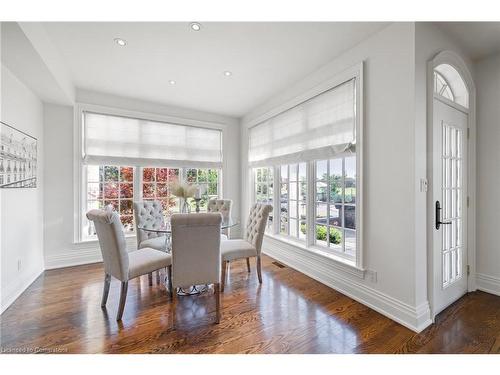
[(338, 262), (95, 241)]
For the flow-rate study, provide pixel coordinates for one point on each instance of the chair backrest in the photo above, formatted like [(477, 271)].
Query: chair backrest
[(196, 257), (147, 214), (256, 224), (112, 242), (223, 206)]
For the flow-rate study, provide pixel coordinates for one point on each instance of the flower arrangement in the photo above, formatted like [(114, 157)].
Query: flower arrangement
[(183, 190)]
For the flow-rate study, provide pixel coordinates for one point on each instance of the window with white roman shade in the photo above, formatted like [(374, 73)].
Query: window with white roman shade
[(118, 140), (319, 128)]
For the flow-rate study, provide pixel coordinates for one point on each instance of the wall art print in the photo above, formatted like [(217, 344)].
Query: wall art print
[(18, 156)]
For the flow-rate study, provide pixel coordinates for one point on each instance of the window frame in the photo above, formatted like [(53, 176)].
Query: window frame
[(354, 72), (80, 170)]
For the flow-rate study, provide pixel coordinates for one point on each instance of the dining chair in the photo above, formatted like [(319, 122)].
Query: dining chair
[(224, 207), (149, 214), (196, 256), (119, 263), (250, 245)]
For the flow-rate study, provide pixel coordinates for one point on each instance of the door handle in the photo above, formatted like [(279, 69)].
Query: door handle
[(438, 217)]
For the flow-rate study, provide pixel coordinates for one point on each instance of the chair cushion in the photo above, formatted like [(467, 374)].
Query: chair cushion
[(147, 260), (236, 249), (157, 243)]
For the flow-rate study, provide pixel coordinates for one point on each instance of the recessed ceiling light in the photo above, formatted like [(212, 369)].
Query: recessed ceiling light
[(195, 26), (227, 73), (121, 42), (172, 82)]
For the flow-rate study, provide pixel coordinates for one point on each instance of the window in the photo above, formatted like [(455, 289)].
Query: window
[(293, 200), (126, 159), (441, 87), (208, 181), (263, 188), (313, 147), (111, 186), (335, 219), (156, 186), (115, 187)]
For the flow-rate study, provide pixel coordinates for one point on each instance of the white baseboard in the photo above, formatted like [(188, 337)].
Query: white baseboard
[(488, 284), (414, 318), (15, 289)]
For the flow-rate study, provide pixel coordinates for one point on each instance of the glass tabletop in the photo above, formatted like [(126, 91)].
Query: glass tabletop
[(167, 229)]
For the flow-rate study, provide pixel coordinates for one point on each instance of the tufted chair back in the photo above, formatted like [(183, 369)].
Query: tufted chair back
[(223, 206), (256, 224), (112, 242), (147, 214)]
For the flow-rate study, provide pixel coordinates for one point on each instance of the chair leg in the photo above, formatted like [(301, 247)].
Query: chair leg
[(150, 278), (158, 277), (107, 283), (248, 265), (259, 269), (174, 308), (217, 302), (170, 288), (224, 275), (123, 297)]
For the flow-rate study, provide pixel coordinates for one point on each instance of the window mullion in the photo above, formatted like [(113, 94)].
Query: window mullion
[(310, 204)]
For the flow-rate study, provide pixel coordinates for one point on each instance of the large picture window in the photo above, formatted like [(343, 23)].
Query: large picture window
[(313, 147), (127, 159)]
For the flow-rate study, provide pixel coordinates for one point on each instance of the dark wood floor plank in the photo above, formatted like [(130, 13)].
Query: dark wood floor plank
[(288, 313)]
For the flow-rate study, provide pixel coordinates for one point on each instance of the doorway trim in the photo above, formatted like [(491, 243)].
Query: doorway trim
[(453, 59)]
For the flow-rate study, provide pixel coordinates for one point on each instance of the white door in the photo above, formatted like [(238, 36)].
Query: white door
[(449, 204)]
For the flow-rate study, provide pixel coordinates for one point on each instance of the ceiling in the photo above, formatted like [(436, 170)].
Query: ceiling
[(479, 39), (264, 58)]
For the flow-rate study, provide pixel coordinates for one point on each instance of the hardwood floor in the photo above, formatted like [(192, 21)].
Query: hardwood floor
[(288, 313)]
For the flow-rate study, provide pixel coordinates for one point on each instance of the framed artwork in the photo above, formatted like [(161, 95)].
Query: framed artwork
[(18, 155)]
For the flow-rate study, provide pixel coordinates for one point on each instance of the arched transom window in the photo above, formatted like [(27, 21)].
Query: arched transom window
[(449, 84)]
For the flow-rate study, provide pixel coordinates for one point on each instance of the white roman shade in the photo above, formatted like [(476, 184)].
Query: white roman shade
[(318, 128), (120, 140)]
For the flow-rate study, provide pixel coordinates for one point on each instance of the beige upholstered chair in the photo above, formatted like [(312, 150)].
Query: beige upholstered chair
[(118, 262), (251, 244), (196, 252), (224, 207), (149, 214)]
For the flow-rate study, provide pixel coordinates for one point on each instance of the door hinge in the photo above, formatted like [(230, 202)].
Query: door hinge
[(468, 270), (467, 201), (468, 133)]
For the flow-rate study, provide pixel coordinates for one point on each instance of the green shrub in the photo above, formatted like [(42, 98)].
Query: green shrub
[(335, 234)]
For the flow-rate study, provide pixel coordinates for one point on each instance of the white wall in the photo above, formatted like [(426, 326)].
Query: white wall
[(488, 174), (389, 175), (60, 249), (21, 209)]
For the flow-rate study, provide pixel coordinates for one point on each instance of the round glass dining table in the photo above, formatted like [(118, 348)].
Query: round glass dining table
[(166, 230)]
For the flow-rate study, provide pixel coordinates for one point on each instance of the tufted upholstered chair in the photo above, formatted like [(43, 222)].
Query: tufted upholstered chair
[(224, 207), (251, 244), (196, 255), (119, 263), (149, 214)]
